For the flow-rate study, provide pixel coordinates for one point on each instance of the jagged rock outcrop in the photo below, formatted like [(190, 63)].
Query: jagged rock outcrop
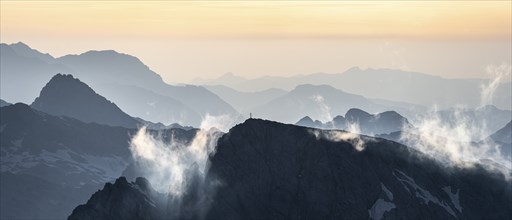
[(50, 164), (123, 200)]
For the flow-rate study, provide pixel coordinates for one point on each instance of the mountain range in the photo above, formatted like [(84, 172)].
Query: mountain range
[(52, 163), (388, 84), (343, 158), (245, 102), (362, 122), (270, 170), (320, 102), (19, 63)]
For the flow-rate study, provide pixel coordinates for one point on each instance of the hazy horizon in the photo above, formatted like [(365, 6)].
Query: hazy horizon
[(182, 41)]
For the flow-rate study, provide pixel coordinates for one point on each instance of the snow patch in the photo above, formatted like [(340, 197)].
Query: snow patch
[(421, 193), (379, 208), (454, 197), (386, 190)]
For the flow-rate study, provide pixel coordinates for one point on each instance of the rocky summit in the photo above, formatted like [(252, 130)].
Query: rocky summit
[(269, 170)]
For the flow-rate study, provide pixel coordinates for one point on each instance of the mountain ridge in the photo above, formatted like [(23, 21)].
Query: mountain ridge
[(274, 170), (100, 67), (65, 95)]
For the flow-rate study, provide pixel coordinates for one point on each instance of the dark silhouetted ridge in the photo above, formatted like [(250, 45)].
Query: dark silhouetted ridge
[(64, 95), (270, 170), (122, 200)]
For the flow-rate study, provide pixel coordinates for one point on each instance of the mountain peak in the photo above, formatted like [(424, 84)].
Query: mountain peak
[(65, 95), (60, 76), (20, 44), (354, 69), (138, 201), (306, 122), (24, 50), (354, 113)]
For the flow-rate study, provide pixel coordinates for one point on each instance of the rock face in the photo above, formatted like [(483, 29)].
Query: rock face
[(269, 170), (67, 96), (51, 164), (123, 200)]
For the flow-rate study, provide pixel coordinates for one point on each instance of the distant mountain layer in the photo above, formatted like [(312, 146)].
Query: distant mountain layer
[(4, 103), (504, 135), (361, 122), (388, 84), (148, 104), (269, 170), (50, 164), (487, 118), (243, 102), (19, 63), (64, 95), (317, 101)]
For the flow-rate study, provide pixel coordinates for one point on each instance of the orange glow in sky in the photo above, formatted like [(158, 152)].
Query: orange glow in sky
[(173, 36)]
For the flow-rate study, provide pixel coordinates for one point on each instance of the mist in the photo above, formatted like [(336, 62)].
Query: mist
[(179, 169), (461, 141), (498, 75), (325, 110)]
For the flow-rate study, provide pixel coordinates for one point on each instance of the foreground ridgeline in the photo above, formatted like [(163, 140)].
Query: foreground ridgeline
[(51, 164), (268, 170)]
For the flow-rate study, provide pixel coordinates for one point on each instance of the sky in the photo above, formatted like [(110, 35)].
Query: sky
[(184, 40)]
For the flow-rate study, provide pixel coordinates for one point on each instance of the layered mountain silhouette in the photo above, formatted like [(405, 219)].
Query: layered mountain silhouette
[(504, 135), (99, 68), (308, 122), (316, 101), (112, 67), (4, 103), (271, 170), (245, 101), (503, 138), (24, 74), (387, 84), (50, 164), (75, 137), (65, 95), (364, 122), (150, 105), (488, 118)]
